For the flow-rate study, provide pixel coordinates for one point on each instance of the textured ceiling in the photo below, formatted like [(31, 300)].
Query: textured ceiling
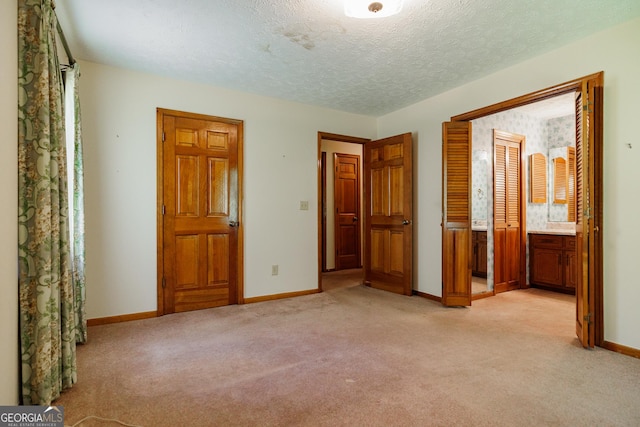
[(308, 51)]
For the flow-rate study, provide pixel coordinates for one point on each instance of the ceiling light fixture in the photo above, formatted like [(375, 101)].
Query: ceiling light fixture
[(371, 9)]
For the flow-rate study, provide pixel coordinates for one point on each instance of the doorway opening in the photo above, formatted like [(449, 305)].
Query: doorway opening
[(549, 127), (340, 191), (456, 233)]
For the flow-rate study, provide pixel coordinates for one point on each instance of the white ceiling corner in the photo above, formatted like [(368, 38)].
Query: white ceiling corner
[(307, 50)]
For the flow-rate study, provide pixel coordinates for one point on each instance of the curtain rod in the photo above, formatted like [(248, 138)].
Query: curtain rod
[(63, 39)]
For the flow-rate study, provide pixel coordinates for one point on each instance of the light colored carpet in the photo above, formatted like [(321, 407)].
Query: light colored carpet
[(356, 356)]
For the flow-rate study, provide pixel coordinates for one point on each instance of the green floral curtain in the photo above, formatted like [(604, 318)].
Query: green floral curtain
[(47, 315), (75, 129)]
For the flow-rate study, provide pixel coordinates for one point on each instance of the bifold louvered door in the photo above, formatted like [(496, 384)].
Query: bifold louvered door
[(507, 212), (456, 214), (589, 105)]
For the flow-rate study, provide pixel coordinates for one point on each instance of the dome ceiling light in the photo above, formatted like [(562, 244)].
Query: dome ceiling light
[(371, 9)]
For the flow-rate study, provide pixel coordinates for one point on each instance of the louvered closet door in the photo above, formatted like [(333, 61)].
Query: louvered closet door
[(588, 199), (456, 214), (507, 210)]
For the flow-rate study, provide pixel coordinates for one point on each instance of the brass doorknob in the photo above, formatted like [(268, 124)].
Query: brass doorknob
[(406, 222), (233, 223)]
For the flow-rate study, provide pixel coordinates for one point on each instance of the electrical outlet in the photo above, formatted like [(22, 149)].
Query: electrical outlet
[(304, 205), (274, 270)]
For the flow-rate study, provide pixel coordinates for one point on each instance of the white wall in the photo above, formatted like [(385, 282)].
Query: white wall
[(280, 170), (332, 147), (9, 197), (615, 52)]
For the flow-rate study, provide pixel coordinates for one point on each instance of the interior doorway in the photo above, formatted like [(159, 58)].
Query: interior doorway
[(456, 232), (549, 127), (340, 232), (346, 211)]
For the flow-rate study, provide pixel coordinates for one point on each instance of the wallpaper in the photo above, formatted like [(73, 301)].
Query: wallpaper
[(540, 136)]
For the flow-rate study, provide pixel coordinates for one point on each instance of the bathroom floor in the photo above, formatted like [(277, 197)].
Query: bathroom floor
[(478, 285)]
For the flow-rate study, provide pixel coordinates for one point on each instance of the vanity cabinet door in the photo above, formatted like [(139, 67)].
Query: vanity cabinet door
[(546, 267), (570, 261), (479, 256), (482, 254), (474, 255), (553, 262)]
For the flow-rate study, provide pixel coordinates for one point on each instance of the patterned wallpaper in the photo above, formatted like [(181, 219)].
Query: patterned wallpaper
[(540, 136)]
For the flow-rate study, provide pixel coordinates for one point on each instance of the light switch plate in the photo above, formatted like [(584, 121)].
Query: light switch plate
[(304, 205)]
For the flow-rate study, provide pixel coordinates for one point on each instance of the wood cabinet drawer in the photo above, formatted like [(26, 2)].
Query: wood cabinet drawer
[(545, 241)]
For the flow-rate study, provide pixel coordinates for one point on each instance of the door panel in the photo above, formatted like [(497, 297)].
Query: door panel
[(456, 214), (347, 216), (200, 188), (508, 211), (588, 209), (389, 213)]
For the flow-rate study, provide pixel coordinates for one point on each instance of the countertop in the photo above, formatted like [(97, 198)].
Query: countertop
[(556, 232)]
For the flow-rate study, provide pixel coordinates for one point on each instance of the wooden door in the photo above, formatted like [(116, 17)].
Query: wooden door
[(456, 213), (389, 214), (588, 209), (199, 224), (507, 211), (347, 215)]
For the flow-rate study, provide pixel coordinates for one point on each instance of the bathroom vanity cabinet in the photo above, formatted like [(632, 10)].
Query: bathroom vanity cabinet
[(479, 255), (552, 262)]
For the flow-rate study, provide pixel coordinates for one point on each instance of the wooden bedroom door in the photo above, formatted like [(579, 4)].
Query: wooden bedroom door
[(388, 261), (199, 229), (347, 215)]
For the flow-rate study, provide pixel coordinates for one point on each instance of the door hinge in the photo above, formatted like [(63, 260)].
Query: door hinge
[(164, 210), (587, 318), (163, 136), (164, 282)]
